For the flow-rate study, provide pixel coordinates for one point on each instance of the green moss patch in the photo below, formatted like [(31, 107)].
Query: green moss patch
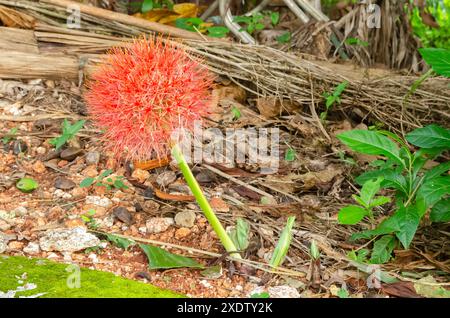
[(52, 280)]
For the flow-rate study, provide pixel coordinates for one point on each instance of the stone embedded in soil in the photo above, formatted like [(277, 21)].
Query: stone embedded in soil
[(20, 211), (140, 175), (3, 243), (92, 158), (182, 233), (6, 215), (204, 177), (19, 146), (166, 178), (15, 245), (4, 226), (282, 291), (90, 171), (185, 219), (99, 201), (158, 225), (39, 167), (70, 153), (67, 240), (41, 150), (64, 183), (32, 248), (61, 194), (122, 214)]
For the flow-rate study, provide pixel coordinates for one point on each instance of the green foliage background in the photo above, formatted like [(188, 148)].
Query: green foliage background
[(431, 37)]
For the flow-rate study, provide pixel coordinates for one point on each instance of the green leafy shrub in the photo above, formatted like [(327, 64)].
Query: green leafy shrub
[(417, 190)]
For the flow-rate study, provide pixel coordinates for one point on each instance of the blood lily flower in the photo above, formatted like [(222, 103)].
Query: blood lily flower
[(143, 92)]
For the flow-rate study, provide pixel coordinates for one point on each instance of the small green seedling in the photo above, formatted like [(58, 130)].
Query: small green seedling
[(367, 201), (68, 132), (290, 155), (88, 218), (333, 98), (10, 135), (284, 38), (240, 234), (197, 24), (356, 41), (280, 252), (236, 113), (255, 22), (111, 182)]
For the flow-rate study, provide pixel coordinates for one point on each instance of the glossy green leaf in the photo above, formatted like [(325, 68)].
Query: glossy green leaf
[(218, 31), (120, 241), (382, 249), (438, 59), (87, 182), (441, 211), (370, 189), (432, 190), (160, 258), (351, 214), (371, 143), (408, 219), (431, 136), (147, 5)]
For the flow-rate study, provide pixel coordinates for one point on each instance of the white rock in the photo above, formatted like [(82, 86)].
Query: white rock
[(185, 219), (3, 244), (61, 194), (142, 230), (32, 248), (68, 240), (96, 200), (283, 291), (6, 215), (157, 225), (93, 257), (20, 211)]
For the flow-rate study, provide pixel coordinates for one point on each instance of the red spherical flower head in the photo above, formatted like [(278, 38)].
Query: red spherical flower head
[(145, 91)]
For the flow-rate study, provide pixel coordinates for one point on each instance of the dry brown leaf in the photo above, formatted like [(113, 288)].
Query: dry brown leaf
[(321, 178), (272, 106), (151, 164), (232, 91), (173, 197), (219, 205), (400, 289)]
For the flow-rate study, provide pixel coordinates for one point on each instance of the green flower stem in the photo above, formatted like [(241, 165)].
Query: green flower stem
[(203, 202)]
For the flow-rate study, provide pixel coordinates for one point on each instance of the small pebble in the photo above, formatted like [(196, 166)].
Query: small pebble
[(96, 200), (70, 153), (185, 219), (92, 157), (64, 183), (157, 225), (32, 248), (20, 211), (122, 215), (166, 178)]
